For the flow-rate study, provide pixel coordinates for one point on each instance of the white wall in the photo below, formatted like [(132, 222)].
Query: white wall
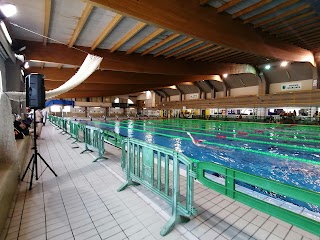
[(276, 87), (175, 98), (220, 94), (142, 97), (253, 90)]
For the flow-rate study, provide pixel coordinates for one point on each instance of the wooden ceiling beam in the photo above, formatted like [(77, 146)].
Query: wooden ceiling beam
[(250, 8), (145, 40), (195, 50), (120, 78), (184, 49), (173, 46), (270, 11), (119, 61), (225, 53), (136, 29), (308, 38), (204, 52), (228, 55), (207, 25), (49, 85), (161, 43), (227, 5), (108, 29), (292, 28), (82, 21), (281, 16), (203, 2), (212, 53), (107, 92), (47, 16), (301, 30), (285, 23)]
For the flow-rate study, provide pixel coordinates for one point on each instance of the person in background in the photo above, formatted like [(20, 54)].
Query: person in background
[(39, 122), (315, 114), (45, 116), (199, 143)]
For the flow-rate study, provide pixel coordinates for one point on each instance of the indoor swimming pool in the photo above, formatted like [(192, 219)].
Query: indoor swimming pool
[(285, 153)]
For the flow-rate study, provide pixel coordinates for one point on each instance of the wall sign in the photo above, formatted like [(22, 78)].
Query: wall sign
[(291, 86), (194, 96)]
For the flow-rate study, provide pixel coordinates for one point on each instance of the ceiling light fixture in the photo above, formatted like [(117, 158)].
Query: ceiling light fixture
[(8, 9), (225, 75), (26, 65), (284, 64), (267, 67)]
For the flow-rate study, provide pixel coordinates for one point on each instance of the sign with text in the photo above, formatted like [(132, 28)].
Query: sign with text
[(291, 86), (194, 96)]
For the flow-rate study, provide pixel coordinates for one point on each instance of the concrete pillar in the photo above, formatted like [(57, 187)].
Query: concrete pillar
[(263, 85), (262, 112)]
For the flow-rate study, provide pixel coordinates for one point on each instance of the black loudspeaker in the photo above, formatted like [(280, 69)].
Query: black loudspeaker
[(35, 91)]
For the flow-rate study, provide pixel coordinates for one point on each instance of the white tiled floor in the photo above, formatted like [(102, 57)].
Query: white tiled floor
[(83, 203)]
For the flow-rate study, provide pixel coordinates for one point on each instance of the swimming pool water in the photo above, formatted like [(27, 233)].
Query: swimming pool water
[(285, 153)]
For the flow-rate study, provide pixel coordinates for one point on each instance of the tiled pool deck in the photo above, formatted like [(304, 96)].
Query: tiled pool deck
[(83, 203)]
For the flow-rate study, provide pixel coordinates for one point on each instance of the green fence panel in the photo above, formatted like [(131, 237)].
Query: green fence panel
[(205, 169), (113, 138), (149, 165), (64, 125), (74, 131), (94, 140)]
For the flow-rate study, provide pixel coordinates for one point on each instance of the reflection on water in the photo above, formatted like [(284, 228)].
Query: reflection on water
[(177, 144), (148, 137)]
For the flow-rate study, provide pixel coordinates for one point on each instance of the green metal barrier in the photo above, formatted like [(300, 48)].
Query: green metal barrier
[(74, 131), (113, 138), (148, 165), (94, 140), (229, 189), (53, 120), (64, 125)]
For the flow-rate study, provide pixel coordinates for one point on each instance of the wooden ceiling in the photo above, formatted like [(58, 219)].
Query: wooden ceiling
[(145, 44), (292, 21)]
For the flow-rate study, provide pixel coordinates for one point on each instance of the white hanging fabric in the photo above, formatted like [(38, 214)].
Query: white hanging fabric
[(90, 64), (7, 140), (8, 148)]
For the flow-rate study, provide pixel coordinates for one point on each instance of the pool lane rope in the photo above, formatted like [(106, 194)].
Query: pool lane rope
[(224, 146), (274, 131), (276, 126), (237, 139), (249, 134)]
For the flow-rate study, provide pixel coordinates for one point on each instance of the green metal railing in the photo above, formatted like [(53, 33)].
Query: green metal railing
[(94, 140), (64, 125), (113, 138), (228, 188), (74, 131), (149, 165)]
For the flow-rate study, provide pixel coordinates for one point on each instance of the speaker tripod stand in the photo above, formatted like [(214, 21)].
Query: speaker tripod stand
[(34, 158)]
